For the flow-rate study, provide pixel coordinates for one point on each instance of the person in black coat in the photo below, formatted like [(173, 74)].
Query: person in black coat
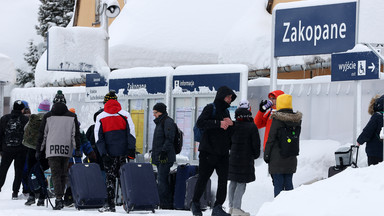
[(370, 134), (163, 152), (281, 167), (245, 149), (11, 148), (214, 149)]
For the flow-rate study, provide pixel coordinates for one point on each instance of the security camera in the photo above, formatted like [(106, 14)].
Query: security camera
[(112, 8)]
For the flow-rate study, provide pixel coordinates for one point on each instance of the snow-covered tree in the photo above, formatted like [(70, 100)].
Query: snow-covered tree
[(54, 13), (32, 56)]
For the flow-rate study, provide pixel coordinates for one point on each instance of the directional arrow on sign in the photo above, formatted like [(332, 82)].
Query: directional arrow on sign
[(372, 67)]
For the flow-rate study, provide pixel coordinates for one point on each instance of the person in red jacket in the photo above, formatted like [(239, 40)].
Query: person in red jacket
[(267, 107)]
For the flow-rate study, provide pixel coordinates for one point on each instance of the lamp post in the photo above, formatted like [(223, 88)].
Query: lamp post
[(110, 9)]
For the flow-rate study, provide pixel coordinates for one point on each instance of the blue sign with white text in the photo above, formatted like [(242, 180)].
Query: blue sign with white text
[(152, 85), (313, 30), (192, 82), (355, 66), (95, 80)]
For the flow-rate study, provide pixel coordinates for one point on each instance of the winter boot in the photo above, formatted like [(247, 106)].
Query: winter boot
[(14, 196), (59, 204), (30, 201), (107, 208), (218, 211), (40, 202), (239, 212), (195, 208), (68, 199)]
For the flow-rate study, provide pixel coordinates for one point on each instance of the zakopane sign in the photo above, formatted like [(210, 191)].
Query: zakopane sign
[(313, 30)]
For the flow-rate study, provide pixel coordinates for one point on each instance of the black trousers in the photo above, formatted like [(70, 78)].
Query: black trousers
[(207, 164), (59, 171), (6, 161)]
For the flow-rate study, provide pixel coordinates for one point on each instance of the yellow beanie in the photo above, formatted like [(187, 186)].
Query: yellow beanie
[(284, 101)]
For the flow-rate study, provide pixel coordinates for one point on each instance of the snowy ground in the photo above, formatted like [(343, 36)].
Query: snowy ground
[(352, 192)]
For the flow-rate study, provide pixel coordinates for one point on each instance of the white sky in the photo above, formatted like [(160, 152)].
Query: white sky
[(17, 27)]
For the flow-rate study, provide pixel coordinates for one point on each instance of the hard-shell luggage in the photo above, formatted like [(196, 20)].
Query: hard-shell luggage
[(205, 200), (88, 186), (184, 172), (344, 158), (138, 186)]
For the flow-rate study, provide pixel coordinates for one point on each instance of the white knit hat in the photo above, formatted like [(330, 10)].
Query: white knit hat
[(244, 104)]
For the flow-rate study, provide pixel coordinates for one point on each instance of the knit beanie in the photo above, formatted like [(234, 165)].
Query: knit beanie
[(18, 105), (244, 104), (284, 101), (44, 106), (243, 114), (26, 105), (111, 95), (72, 110), (160, 107), (59, 97)]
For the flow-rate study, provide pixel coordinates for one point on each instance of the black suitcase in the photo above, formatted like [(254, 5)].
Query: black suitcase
[(205, 200), (87, 185), (138, 186), (343, 157), (183, 173)]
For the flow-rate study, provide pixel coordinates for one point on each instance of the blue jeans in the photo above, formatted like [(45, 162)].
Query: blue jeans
[(282, 182), (163, 186)]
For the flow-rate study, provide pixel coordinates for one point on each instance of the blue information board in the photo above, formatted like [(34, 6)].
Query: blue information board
[(313, 30), (95, 80), (153, 85), (192, 82), (355, 66)]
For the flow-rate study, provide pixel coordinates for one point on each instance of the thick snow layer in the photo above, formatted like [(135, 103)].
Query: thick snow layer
[(314, 193), (179, 33)]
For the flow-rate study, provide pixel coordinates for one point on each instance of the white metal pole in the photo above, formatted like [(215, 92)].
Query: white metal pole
[(357, 118), (273, 70), (105, 26)]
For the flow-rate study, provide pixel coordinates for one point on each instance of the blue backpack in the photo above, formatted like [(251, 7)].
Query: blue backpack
[(198, 132)]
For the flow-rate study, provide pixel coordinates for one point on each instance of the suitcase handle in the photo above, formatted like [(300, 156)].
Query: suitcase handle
[(354, 164)]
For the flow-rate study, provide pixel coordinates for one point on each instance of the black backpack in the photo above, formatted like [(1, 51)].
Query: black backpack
[(36, 179), (289, 140), (198, 132), (14, 131), (178, 141)]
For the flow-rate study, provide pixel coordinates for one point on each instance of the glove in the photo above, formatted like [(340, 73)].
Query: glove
[(131, 154), (78, 153), (38, 155), (163, 158), (266, 158), (264, 105), (92, 155)]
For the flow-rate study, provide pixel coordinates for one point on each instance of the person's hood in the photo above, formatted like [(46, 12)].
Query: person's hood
[(59, 108), (223, 91), (112, 107), (287, 115), (275, 93), (376, 104)]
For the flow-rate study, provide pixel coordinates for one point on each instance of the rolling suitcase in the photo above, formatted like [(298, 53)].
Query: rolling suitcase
[(183, 173), (205, 200), (88, 185), (344, 158), (138, 186)]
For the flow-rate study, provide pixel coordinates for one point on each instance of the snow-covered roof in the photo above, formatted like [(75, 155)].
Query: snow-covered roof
[(7, 68), (196, 32)]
